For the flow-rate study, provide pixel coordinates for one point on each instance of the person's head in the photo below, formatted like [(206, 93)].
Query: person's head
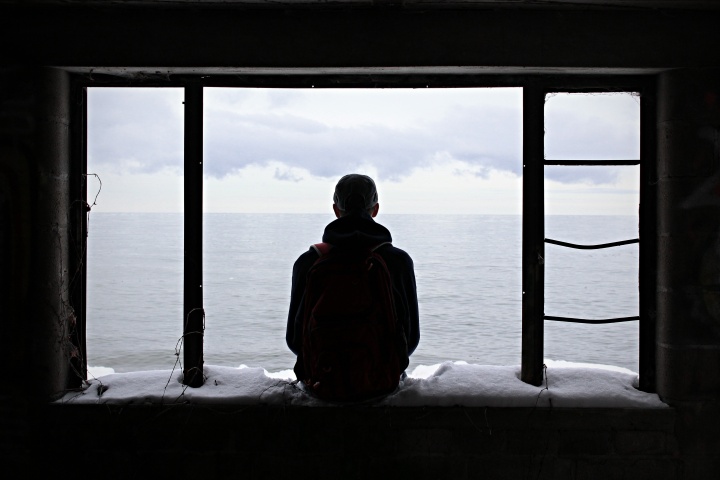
[(355, 192)]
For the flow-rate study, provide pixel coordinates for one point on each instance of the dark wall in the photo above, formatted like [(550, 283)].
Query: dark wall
[(689, 235), (677, 48), (35, 204), (353, 443), (501, 40)]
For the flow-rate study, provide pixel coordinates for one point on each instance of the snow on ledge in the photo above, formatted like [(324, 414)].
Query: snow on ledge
[(446, 384)]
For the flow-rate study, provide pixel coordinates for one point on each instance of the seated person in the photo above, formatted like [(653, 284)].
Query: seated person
[(355, 230)]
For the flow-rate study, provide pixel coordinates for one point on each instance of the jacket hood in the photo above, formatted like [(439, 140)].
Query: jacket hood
[(356, 230)]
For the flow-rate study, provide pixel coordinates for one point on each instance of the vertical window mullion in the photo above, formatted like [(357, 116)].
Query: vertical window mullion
[(193, 312), (78, 228), (533, 235), (648, 243)]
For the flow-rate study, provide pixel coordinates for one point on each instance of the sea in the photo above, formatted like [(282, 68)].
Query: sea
[(467, 267)]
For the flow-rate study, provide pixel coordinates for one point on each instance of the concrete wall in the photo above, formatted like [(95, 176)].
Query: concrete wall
[(689, 235), (157, 42), (35, 204), (353, 443), (688, 341), (37, 199)]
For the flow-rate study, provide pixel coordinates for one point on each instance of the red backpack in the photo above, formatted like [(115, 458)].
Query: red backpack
[(353, 347)]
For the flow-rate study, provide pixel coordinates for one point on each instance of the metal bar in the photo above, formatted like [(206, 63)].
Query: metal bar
[(587, 320), (592, 247), (591, 163), (78, 231), (533, 244), (123, 77), (193, 314), (648, 225)]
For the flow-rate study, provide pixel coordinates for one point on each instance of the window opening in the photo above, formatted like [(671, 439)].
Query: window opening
[(572, 137), (447, 164), (134, 243), (467, 184), (218, 196)]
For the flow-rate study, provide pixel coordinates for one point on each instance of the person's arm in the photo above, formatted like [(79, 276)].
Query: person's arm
[(293, 335), (402, 270), (413, 316)]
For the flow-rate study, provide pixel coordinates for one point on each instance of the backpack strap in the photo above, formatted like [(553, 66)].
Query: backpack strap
[(380, 245), (322, 248)]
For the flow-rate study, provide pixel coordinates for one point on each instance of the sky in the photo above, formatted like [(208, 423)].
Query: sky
[(440, 151)]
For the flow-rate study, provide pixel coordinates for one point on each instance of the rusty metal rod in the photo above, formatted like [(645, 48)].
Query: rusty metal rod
[(193, 314), (533, 234), (649, 227), (592, 247), (587, 320), (591, 163)]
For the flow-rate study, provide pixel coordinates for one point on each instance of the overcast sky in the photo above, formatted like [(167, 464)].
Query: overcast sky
[(429, 150)]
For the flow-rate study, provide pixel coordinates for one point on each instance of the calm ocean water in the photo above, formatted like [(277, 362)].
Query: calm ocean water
[(468, 270)]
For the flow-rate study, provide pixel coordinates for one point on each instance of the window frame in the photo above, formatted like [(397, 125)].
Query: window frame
[(535, 88), (533, 269)]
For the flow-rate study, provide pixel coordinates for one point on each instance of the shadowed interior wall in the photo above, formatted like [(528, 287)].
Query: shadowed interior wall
[(689, 235), (155, 46), (688, 337), (161, 42), (34, 174)]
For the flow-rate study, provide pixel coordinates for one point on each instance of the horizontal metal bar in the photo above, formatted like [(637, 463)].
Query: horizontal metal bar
[(591, 163), (587, 320), (592, 247), (373, 77)]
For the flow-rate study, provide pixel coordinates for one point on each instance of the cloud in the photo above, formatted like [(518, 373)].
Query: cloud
[(286, 174), (591, 127), (140, 131), (135, 130), (235, 140)]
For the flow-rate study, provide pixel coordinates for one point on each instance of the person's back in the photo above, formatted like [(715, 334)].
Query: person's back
[(354, 235)]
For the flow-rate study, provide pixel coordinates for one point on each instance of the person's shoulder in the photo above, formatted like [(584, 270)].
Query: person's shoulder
[(395, 253), (310, 253), (306, 259)]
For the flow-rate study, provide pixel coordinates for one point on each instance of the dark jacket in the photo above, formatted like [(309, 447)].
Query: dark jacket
[(361, 231)]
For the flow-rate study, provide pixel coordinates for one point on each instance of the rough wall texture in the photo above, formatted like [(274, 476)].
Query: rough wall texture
[(352, 443), (689, 235), (163, 41), (34, 174), (259, 442), (688, 336)]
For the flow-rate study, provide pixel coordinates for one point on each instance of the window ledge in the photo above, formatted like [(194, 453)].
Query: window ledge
[(451, 384)]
